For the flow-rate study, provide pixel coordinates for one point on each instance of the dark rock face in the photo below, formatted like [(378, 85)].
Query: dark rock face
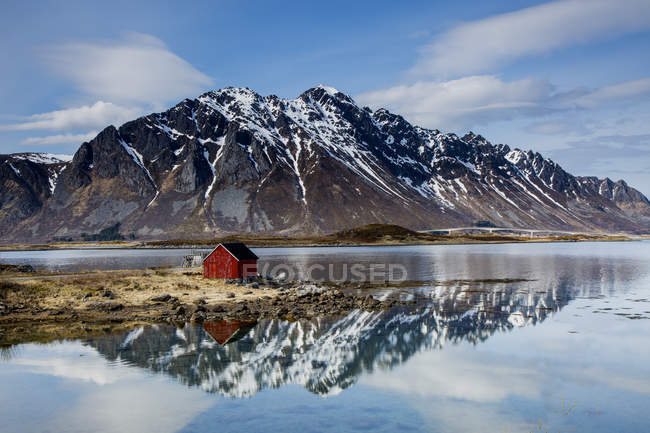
[(26, 183), (234, 161)]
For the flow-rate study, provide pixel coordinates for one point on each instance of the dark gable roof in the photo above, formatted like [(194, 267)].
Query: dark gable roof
[(239, 251)]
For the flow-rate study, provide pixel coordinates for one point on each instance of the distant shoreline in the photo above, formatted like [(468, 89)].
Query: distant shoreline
[(455, 240), (368, 235)]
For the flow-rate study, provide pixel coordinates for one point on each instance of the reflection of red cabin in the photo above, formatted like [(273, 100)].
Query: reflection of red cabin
[(226, 332), (230, 260)]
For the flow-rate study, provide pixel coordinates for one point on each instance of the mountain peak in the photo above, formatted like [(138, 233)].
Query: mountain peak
[(472, 137), (329, 89), (233, 92), (321, 92), (232, 161)]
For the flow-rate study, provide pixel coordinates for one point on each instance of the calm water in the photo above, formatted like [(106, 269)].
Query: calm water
[(88, 259), (569, 349), (437, 262)]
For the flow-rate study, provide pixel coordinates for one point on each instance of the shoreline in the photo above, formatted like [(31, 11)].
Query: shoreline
[(45, 308), (462, 240)]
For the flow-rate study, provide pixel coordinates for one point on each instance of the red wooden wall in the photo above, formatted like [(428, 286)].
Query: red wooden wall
[(221, 264)]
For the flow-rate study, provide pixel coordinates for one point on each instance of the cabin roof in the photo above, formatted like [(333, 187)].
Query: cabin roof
[(227, 332), (238, 251)]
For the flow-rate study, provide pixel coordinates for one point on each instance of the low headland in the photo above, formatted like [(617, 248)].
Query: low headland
[(37, 307), (41, 308)]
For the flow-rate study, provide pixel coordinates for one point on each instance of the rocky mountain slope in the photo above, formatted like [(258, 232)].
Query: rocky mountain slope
[(234, 161), (27, 181)]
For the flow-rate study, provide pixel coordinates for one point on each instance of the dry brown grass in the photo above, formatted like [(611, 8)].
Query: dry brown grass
[(581, 238), (131, 288)]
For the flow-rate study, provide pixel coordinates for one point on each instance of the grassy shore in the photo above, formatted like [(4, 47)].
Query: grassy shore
[(131, 288), (46, 308)]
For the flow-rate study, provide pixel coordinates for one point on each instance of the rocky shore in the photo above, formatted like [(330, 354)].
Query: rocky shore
[(47, 308)]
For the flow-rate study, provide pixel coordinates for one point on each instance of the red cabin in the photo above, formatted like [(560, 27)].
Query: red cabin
[(230, 260)]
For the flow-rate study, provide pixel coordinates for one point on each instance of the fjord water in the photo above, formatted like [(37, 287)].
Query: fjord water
[(566, 350)]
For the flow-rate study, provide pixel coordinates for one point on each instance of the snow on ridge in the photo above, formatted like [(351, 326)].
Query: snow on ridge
[(52, 182), (16, 171), (503, 195), (132, 336), (221, 143), (43, 158), (434, 185), (249, 150), (515, 156), (320, 123), (330, 90), (469, 165), (171, 132), (54, 176), (526, 176), (323, 123), (423, 189), (296, 169), (137, 158)]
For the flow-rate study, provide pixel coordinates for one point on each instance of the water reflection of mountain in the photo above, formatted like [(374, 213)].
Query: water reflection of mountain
[(328, 355)]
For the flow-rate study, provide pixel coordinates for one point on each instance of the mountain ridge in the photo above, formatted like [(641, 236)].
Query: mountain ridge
[(232, 161)]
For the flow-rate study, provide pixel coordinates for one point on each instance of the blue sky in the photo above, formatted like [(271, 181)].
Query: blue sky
[(570, 79)]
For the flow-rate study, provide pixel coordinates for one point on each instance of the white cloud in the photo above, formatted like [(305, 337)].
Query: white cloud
[(57, 139), (142, 405), (71, 361), (107, 396), (558, 127), (127, 78), (629, 90), (485, 44), (467, 376), (631, 143), (623, 156), (457, 103), (138, 69), (97, 116), (467, 102)]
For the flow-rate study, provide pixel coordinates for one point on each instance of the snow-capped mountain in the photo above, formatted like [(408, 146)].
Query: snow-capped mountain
[(234, 161), (327, 355)]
